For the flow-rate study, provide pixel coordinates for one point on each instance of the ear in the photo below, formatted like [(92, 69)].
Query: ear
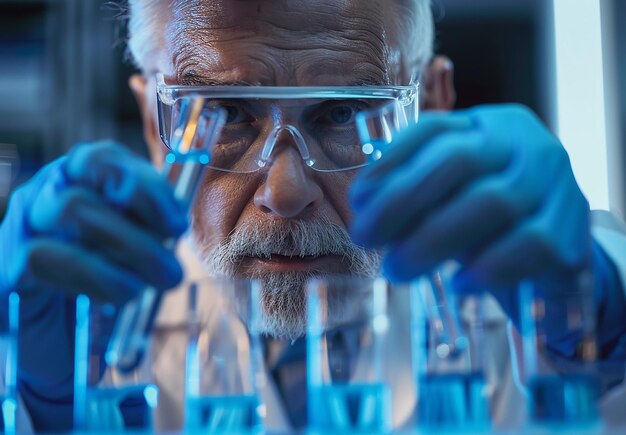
[(437, 85), (139, 85)]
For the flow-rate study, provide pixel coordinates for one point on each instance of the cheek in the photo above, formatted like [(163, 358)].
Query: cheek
[(336, 189), (219, 204)]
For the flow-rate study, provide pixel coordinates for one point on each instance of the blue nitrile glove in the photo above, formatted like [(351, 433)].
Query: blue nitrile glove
[(93, 222), (489, 187)]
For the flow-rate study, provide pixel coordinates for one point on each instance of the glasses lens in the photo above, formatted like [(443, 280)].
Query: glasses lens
[(256, 131), (378, 127)]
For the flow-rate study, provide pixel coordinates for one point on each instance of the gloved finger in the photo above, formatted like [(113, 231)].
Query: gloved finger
[(130, 183), (555, 239), (477, 215), (79, 215), (53, 264), (432, 177), (406, 144), (462, 226)]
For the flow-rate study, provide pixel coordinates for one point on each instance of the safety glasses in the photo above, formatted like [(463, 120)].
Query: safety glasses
[(257, 122)]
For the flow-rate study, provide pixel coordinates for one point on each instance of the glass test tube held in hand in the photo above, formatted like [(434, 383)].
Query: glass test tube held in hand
[(561, 379), (9, 322), (377, 128), (224, 371), (105, 399), (358, 356), (195, 132), (453, 394)]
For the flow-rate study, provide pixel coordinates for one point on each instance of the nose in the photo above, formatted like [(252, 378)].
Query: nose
[(289, 189)]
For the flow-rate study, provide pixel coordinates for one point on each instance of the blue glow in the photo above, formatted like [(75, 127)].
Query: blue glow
[(451, 400), (170, 158), (151, 393), (11, 356), (111, 357), (120, 409), (355, 408), (81, 360), (9, 407), (566, 399), (224, 414), (368, 148)]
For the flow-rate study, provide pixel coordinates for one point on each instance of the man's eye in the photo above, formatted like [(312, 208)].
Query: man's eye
[(343, 114), (337, 113), (236, 114)]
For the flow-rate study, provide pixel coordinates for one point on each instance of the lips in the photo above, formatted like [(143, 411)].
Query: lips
[(296, 263), (281, 257)]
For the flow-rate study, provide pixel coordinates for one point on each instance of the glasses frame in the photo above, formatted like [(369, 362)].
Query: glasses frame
[(168, 95)]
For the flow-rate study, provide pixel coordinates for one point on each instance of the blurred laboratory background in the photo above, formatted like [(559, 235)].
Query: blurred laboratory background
[(64, 74)]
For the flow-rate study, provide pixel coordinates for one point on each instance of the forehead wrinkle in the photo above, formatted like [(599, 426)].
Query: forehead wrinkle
[(197, 67), (204, 37), (351, 26), (184, 30), (247, 13), (362, 40), (271, 59), (319, 20), (320, 66), (349, 70)]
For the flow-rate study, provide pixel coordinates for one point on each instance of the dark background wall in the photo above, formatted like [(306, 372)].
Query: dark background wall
[(496, 48), (63, 80), (63, 73)]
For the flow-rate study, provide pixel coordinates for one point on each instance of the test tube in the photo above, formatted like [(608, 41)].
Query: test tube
[(358, 356), (559, 354), (450, 342), (8, 169), (453, 394), (106, 400), (377, 128), (224, 368), (193, 137), (9, 322)]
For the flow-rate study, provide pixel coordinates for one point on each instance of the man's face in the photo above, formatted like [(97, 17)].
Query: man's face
[(287, 222)]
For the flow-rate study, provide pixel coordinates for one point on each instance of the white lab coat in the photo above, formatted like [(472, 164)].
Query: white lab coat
[(500, 339)]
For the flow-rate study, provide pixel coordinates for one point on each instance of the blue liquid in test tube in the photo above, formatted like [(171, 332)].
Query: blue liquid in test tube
[(569, 399), (453, 401), (7, 415), (224, 414), (118, 409), (353, 408)]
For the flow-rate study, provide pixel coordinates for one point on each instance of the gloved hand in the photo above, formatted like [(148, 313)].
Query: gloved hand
[(489, 187), (93, 222)]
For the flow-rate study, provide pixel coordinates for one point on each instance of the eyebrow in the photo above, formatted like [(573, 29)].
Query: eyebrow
[(368, 82), (193, 79)]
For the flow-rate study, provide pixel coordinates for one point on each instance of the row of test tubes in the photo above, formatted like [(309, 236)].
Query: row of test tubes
[(376, 361)]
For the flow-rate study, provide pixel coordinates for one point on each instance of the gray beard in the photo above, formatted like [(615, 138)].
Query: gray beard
[(283, 313)]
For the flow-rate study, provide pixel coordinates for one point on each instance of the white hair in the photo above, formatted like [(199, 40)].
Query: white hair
[(415, 23), (146, 24), (148, 19)]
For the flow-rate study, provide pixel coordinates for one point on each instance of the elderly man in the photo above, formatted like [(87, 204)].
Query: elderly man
[(489, 187)]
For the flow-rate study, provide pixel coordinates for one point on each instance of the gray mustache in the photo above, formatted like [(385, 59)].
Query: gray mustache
[(291, 239)]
